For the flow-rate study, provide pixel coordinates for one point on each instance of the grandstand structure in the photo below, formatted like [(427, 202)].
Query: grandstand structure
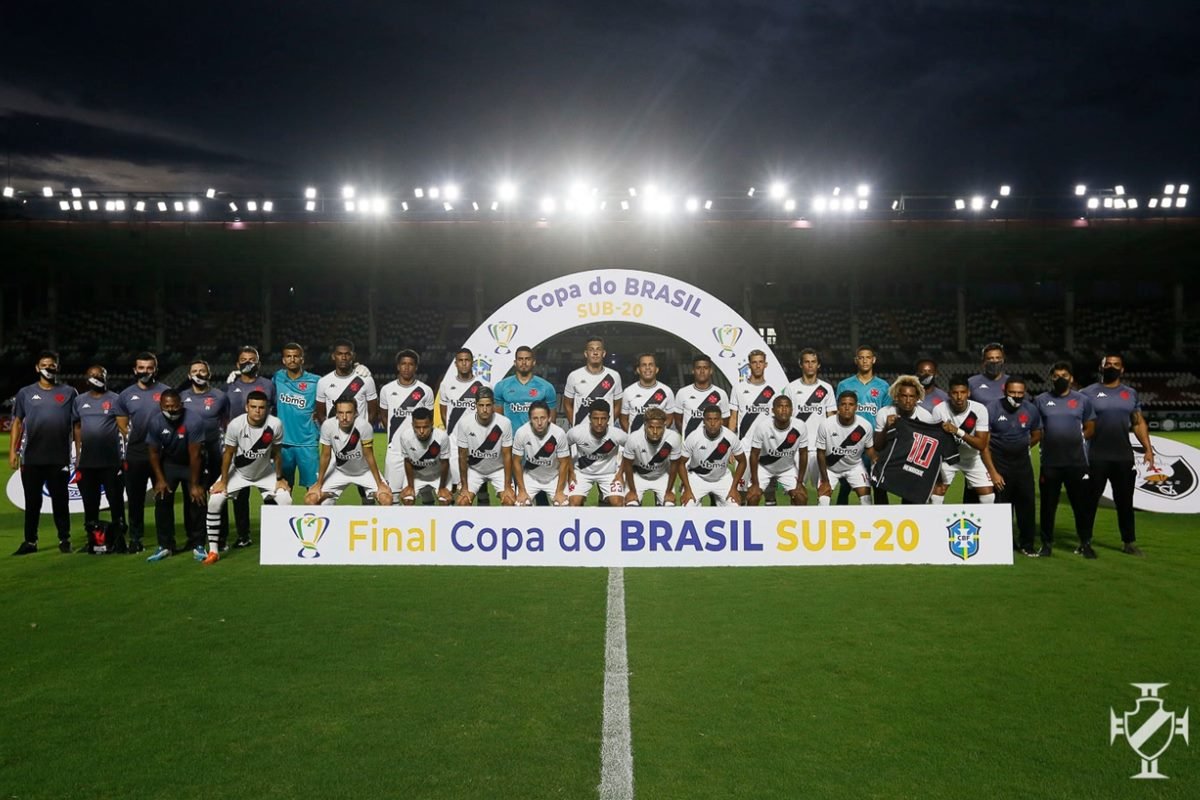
[(1049, 289)]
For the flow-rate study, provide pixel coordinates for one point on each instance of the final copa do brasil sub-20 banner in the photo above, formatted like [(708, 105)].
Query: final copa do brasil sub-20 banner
[(636, 536)]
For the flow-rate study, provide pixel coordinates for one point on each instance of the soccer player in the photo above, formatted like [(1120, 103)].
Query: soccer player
[(988, 385), (348, 457), (247, 378), (140, 403), (967, 420), (519, 391), (456, 401), (40, 446), (751, 400), (812, 401), (397, 400), (646, 392), (541, 459), (1016, 426), (175, 443), (296, 404), (100, 430), (706, 454), (870, 390), (690, 401), (597, 447), (485, 443), (779, 452), (650, 459), (843, 446), (1110, 456), (1068, 422), (346, 383), (252, 443), (212, 405), (907, 395), (591, 382), (926, 371), (426, 460)]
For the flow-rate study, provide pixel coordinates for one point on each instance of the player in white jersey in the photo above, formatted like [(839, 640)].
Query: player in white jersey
[(397, 400), (968, 421), (541, 459), (348, 381), (906, 393), (650, 460), (596, 452), (842, 440), (456, 401), (778, 453), (646, 392), (252, 443), (812, 401), (706, 453), (348, 457), (485, 442), (591, 382), (690, 401), (426, 452), (750, 400)]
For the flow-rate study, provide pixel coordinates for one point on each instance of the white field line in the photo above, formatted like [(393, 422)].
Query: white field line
[(616, 748)]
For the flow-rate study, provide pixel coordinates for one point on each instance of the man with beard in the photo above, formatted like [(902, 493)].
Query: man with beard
[(348, 457), (647, 392), (519, 391)]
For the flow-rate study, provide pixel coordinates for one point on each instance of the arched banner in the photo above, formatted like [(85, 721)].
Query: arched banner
[(619, 295)]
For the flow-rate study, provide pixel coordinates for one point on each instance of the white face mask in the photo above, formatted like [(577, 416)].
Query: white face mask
[(97, 383), (200, 380)]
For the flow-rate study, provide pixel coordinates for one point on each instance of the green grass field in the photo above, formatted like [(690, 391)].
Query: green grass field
[(131, 680)]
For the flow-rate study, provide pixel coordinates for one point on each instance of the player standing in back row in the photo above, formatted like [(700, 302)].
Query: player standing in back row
[(591, 382), (812, 401), (397, 400), (456, 402)]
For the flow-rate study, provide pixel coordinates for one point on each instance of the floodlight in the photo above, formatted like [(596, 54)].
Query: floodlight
[(895, 205), (1169, 189), (1093, 202), (162, 206), (8, 191), (110, 206), (708, 205), (1133, 202), (1166, 202), (93, 205), (649, 190), (474, 205), (140, 205), (64, 205), (434, 193), (347, 192), (495, 206), (862, 204), (268, 206), (1119, 189), (777, 190), (624, 205), (178, 205), (751, 192), (1080, 190), (364, 205), (47, 191), (835, 204), (447, 207), (976, 203), (349, 206), (1154, 202), (193, 206), (252, 205), (603, 205), (1108, 202), (75, 192), (211, 193), (1180, 202), (863, 190), (548, 205), (404, 205), (120, 205), (418, 192), (995, 204), (450, 190), (507, 191), (310, 205), (310, 193), (75, 204), (1005, 190), (959, 204), (789, 204), (692, 205), (1119, 202), (1183, 188)]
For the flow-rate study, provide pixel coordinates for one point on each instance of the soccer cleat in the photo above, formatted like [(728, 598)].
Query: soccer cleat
[(1029, 551), (211, 558), (243, 541), (199, 553), (1085, 550), (160, 554), (136, 546), (1132, 549), (64, 545), (26, 548), (1045, 552)]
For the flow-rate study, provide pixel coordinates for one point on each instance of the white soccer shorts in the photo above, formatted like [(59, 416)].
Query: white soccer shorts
[(657, 485), (420, 485), (719, 489), (533, 486), (856, 476), (786, 481), (476, 480), (393, 469), (238, 482), (609, 485), (975, 472), (336, 483)]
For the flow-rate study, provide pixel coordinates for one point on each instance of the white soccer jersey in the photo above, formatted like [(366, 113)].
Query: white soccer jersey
[(651, 460), (397, 401), (689, 402), (779, 450), (426, 457), (709, 458), (753, 402), (252, 458), (540, 454), (333, 387), (637, 398), (973, 419), (346, 447), (484, 443), (811, 403), (920, 414), (596, 457), (459, 399), (844, 445), (584, 387)]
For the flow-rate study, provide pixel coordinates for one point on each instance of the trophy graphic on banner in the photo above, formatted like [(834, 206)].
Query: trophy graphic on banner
[(503, 333), (727, 336), (309, 529)]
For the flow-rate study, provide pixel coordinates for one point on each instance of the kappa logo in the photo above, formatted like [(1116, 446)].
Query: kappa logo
[(963, 535), (308, 529), (1149, 728), (727, 337)]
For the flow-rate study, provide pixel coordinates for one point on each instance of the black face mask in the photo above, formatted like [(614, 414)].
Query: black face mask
[(1013, 403), (926, 380), (1061, 384), (144, 377), (200, 380), (1110, 374), (49, 374), (97, 383), (993, 369), (249, 368)]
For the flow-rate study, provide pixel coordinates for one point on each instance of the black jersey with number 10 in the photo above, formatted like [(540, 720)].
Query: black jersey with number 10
[(908, 466)]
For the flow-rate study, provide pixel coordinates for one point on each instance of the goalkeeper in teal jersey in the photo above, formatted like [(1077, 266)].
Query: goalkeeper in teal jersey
[(295, 403)]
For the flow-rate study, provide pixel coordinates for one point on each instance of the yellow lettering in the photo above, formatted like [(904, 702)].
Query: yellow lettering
[(787, 537), (843, 534), (355, 536), (811, 542)]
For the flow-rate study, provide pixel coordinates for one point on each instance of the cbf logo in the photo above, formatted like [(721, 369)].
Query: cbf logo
[(309, 529), (727, 336), (482, 368), (744, 371), (1149, 728), (502, 333), (963, 536)]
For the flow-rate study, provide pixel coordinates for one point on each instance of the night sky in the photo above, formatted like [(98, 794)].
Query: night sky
[(922, 97)]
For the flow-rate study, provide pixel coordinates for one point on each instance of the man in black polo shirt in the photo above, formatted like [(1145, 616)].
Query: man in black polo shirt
[(139, 402), (1068, 421), (1110, 455), (40, 447), (1016, 426), (175, 440)]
